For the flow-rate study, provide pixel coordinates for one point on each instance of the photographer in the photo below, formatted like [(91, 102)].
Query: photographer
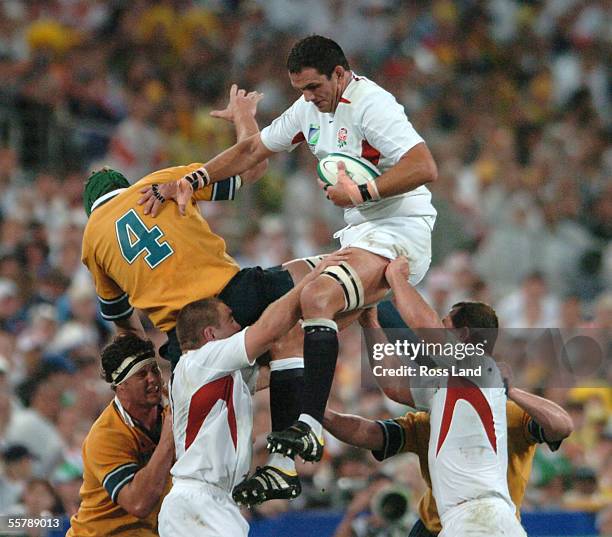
[(379, 510)]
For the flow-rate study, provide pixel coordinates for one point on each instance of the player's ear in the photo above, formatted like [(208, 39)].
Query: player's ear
[(209, 334), (464, 333)]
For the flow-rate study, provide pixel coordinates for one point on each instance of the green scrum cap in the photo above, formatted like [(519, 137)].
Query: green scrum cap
[(102, 182)]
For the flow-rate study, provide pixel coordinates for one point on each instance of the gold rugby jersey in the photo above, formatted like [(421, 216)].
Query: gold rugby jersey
[(410, 434), (115, 449), (156, 264)]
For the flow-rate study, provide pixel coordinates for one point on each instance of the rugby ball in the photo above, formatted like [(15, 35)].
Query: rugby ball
[(358, 169)]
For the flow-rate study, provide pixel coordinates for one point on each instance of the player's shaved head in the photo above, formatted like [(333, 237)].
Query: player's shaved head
[(317, 52), (480, 318), (192, 320)]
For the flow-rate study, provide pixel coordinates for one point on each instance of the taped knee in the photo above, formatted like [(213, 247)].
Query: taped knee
[(350, 282)]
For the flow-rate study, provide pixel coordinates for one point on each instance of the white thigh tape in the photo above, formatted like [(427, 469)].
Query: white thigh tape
[(313, 261), (345, 275)]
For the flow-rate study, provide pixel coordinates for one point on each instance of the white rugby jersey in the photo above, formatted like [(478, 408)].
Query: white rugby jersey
[(468, 451), (212, 413), (368, 123)]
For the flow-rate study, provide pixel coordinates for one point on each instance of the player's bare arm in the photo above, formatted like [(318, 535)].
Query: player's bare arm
[(263, 378), (241, 110), (555, 422), (395, 388), (415, 312), (140, 496), (236, 160), (416, 168), (280, 316), (132, 325), (354, 430)]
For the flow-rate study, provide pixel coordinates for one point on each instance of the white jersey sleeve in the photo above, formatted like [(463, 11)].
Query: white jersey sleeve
[(250, 376), (422, 389), (222, 356), (385, 125), (285, 133)]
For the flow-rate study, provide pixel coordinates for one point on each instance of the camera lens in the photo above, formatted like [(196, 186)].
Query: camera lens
[(393, 506)]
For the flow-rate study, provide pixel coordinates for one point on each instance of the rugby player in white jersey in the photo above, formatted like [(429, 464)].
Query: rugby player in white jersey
[(210, 397), (467, 454), (339, 111)]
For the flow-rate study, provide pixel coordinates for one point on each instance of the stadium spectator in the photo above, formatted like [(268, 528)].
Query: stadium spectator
[(39, 499), (35, 426), (17, 462)]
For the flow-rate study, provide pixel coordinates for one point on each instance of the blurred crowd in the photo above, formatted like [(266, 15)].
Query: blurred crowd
[(512, 97)]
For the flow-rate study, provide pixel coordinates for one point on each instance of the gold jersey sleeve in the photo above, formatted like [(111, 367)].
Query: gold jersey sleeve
[(417, 428), (113, 452), (154, 264), (521, 450)]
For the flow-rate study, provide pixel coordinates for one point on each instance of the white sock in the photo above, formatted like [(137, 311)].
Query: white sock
[(314, 424), (282, 462)]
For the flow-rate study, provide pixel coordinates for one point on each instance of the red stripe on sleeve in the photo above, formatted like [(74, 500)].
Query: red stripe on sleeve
[(370, 153), (298, 138)]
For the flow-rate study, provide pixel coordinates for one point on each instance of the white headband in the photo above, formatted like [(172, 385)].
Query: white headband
[(131, 365)]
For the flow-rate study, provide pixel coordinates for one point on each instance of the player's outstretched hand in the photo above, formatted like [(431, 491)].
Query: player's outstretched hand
[(240, 102), (154, 196), (397, 267), (248, 103), (339, 193), (228, 112)]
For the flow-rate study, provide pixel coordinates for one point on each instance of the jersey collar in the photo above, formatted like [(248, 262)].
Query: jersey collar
[(345, 98), (106, 197), (122, 411), (350, 88), (133, 422)]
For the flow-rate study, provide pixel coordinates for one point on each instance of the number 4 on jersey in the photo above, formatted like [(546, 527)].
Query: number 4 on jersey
[(135, 237)]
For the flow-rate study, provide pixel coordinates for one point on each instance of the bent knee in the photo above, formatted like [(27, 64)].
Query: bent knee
[(321, 297)]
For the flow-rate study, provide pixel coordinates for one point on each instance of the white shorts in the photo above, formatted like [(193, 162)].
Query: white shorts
[(198, 509), (481, 518), (409, 236)]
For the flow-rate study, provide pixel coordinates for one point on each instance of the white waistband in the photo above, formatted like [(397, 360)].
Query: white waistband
[(197, 484), (494, 498)]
